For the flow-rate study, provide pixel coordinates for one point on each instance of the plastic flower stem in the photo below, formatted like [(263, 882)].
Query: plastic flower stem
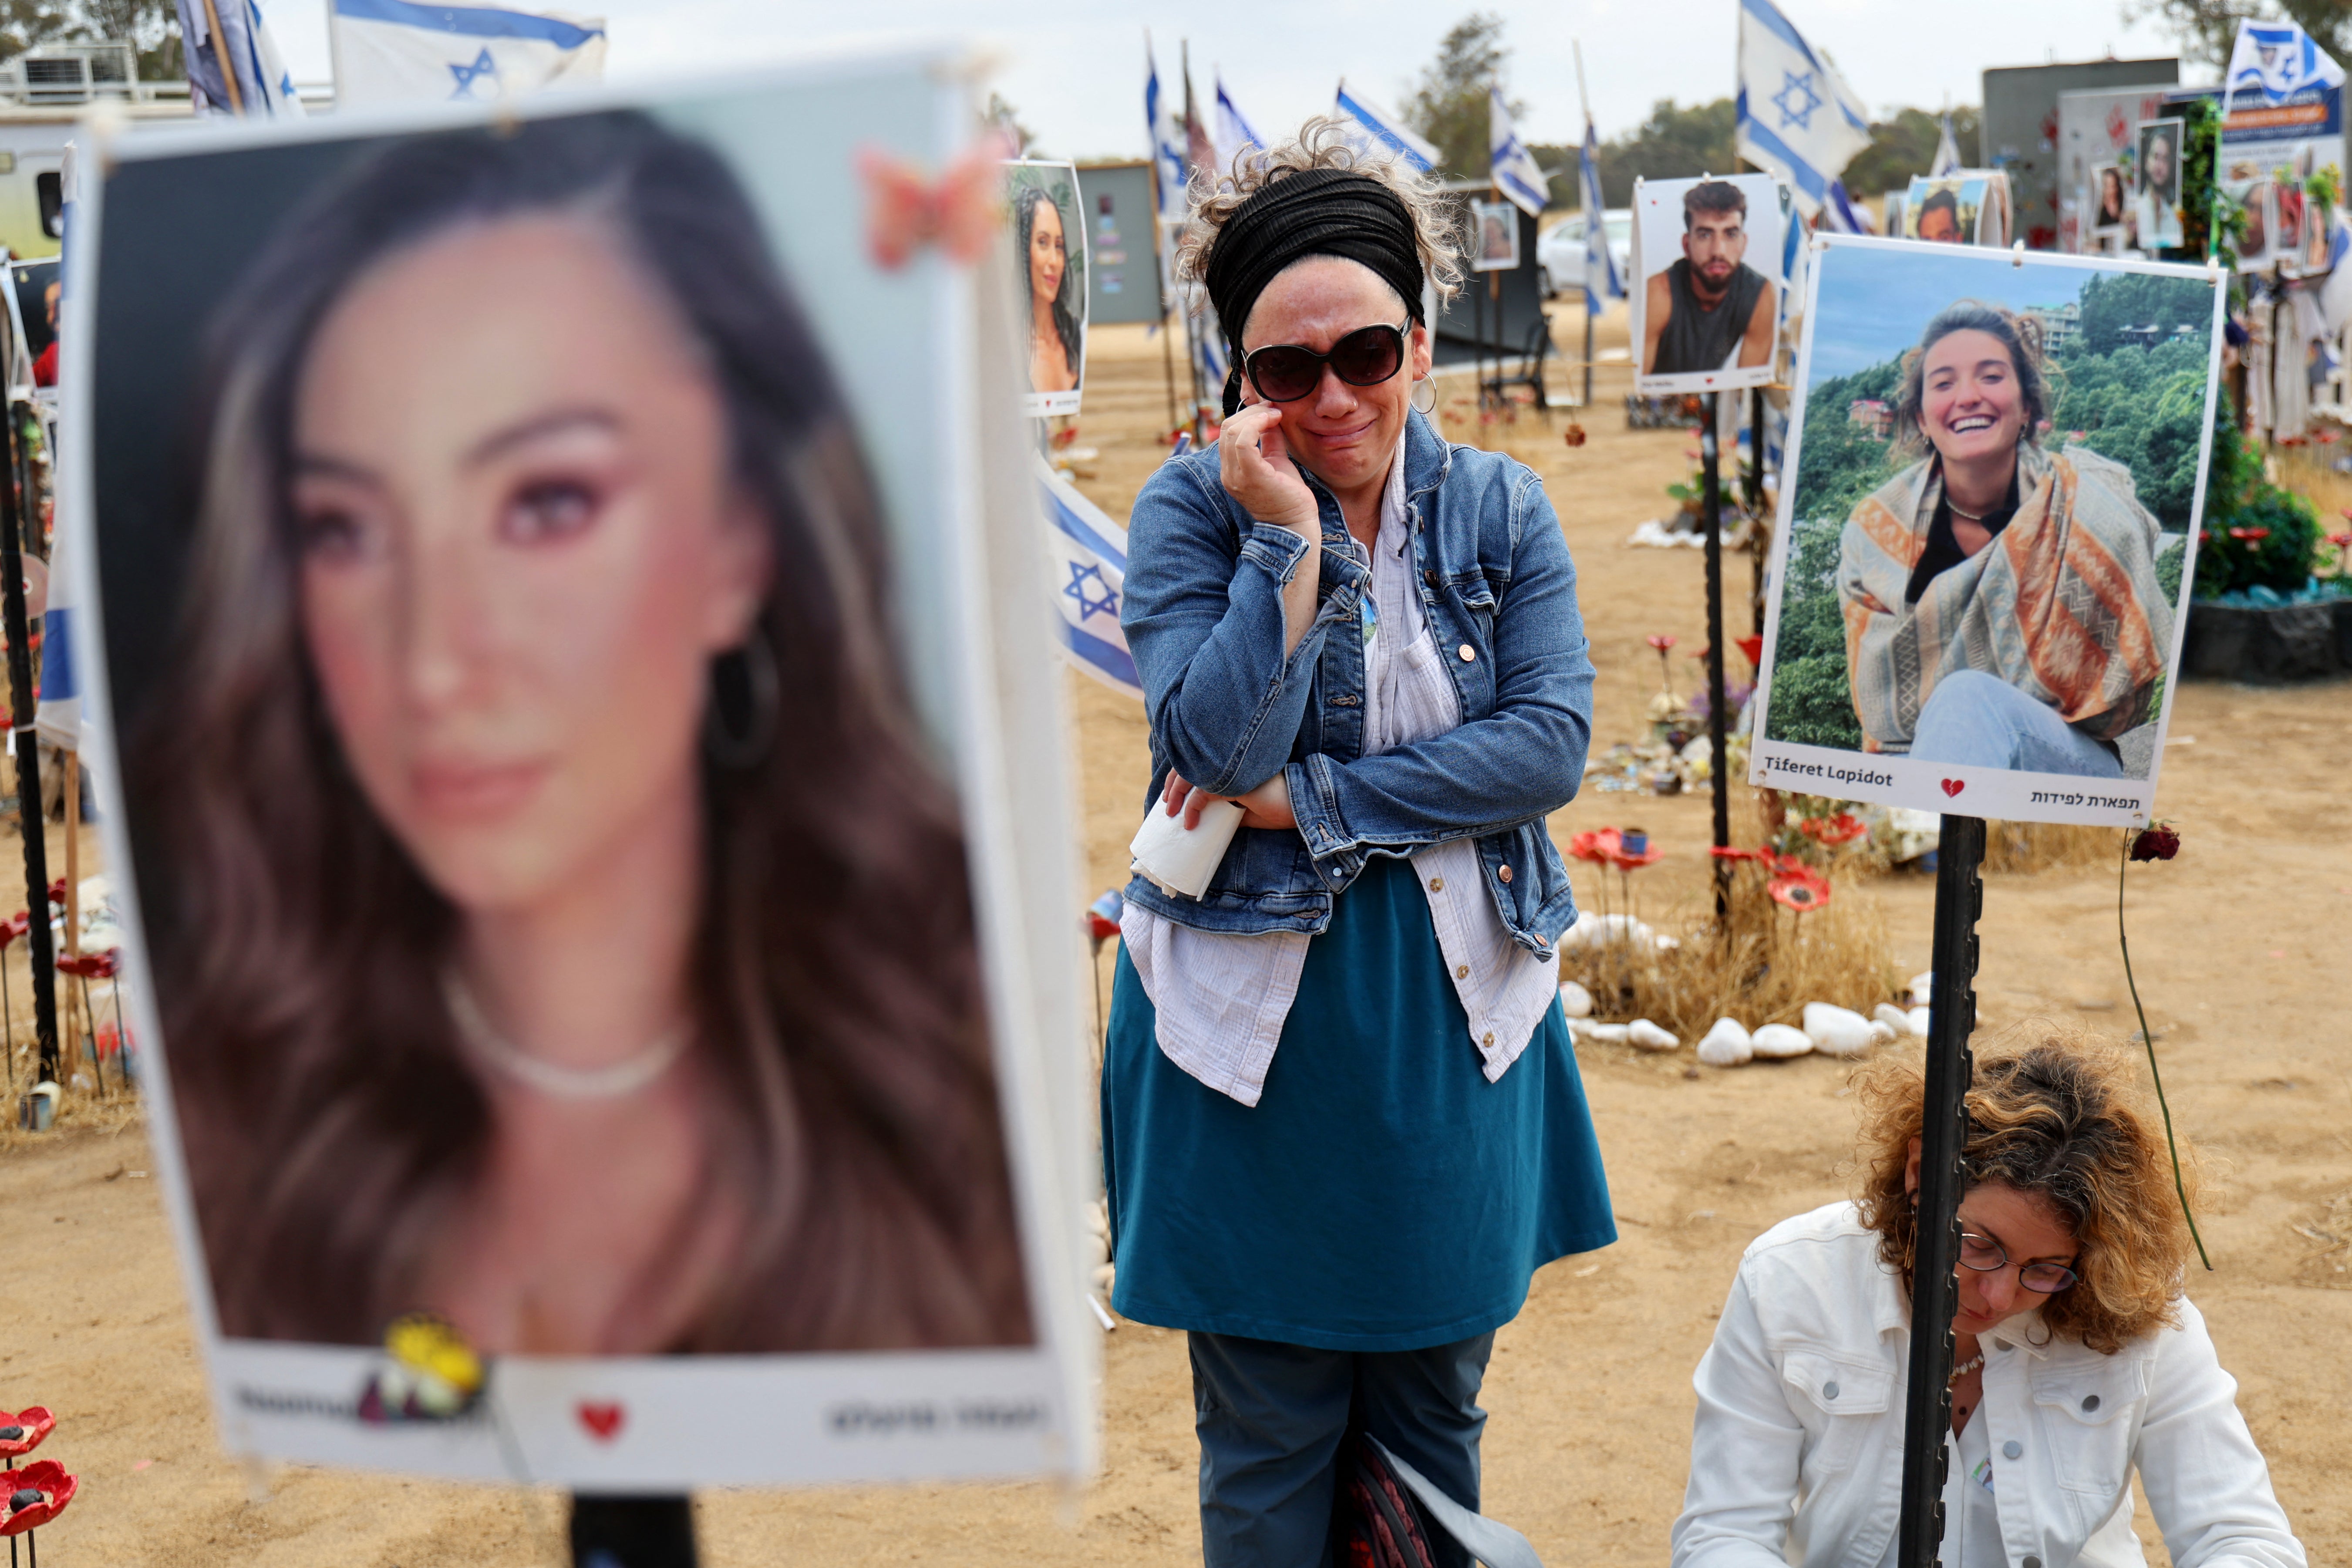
[(2148, 1038)]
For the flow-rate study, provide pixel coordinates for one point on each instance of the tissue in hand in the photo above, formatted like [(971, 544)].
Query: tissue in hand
[(1177, 861)]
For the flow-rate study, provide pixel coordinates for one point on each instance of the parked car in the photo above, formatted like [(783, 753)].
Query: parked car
[(1561, 249)]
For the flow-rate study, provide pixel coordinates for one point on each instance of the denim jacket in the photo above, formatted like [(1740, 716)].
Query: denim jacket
[(1203, 614)]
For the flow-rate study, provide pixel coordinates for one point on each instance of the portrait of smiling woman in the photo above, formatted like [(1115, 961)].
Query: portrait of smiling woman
[(2001, 598), (1056, 291), (560, 922)]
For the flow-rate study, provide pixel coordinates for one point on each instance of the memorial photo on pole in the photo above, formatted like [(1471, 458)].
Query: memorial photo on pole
[(1709, 281), (556, 795), (1969, 208), (1049, 235), (1981, 568), (2159, 193)]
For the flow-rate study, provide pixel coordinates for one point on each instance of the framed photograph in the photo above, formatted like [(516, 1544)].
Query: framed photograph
[(1967, 206), (558, 765), (1049, 248), (2158, 194), (1498, 248), (1980, 572), (2257, 247), (2110, 225), (1709, 281)]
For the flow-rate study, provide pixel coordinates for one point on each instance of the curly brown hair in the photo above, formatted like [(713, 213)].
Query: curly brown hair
[(2059, 1115), (2021, 335)]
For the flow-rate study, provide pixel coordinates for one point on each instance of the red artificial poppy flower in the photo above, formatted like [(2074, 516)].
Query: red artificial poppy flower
[(57, 892), (22, 1433), (1729, 852), (1753, 647), (1650, 856), (1801, 889), (1661, 641), (1600, 845), (2159, 842), (1843, 829), (50, 1487), (2249, 535), (2341, 541)]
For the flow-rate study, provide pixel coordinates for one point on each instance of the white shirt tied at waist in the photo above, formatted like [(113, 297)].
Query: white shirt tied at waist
[(1797, 1450), (1222, 1000)]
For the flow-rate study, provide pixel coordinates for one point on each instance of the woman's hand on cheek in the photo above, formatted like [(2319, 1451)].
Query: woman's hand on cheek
[(1256, 469)]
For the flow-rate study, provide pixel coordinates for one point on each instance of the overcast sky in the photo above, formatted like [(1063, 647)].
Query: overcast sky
[(1075, 67)]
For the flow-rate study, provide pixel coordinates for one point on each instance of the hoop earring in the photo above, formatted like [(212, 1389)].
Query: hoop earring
[(743, 678), (1431, 406)]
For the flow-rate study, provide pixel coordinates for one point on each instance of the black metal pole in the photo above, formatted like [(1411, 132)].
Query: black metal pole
[(1587, 339), (22, 699), (1935, 1293), (1759, 538), (633, 1531), (1719, 752)]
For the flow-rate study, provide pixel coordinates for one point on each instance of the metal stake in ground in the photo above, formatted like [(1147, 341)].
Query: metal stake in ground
[(1935, 1290), (1753, 490), (633, 1531), (1718, 744), (15, 625)]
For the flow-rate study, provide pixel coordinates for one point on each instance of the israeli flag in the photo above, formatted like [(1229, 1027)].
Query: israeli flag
[(1838, 213), (240, 71), (1086, 563), (1233, 131), (1167, 140), (1376, 131), (393, 51), (1947, 152), (2275, 60), (1797, 116), (58, 716), (1600, 280), (1516, 172)]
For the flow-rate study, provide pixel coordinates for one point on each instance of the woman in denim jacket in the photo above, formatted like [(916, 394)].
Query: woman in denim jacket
[(1341, 1123), (2077, 1360)]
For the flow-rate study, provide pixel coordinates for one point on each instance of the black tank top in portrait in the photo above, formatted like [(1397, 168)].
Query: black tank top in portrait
[(1698, 339)]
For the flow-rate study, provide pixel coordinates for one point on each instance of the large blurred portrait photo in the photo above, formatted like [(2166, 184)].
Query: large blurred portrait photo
[(1981, 569), (536, 699), (1707, 252), (1049, 237)]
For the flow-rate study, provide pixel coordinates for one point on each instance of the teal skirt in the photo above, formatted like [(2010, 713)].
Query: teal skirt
[(1382, 1196)]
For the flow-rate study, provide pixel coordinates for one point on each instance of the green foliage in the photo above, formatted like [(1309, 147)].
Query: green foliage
[(2200, 156), (2238, 497), (1677, 142), (151, 26), (2113, 301), (1812, 702), (1906, 145), (1449, 105), (1841, 462), (2207, 29)]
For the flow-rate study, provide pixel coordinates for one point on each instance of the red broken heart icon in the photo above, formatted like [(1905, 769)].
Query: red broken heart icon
[(1954, 786), (603, 1421)]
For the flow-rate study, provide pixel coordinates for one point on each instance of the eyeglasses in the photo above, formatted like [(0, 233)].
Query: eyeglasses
[(1984, 1255), (1284, 372)]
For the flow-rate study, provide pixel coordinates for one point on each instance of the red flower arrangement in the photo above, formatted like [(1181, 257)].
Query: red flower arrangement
[(1832, 831), (2156, 843), (34, 1495), (1801, 889), (1731, 852), (2249, 535), (1606, 846), (1753, 647), (22, 1433), (102, 965), (1661, 641)]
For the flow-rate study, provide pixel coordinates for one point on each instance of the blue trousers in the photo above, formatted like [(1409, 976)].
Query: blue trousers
[(1271, 1416), (1981, 719)]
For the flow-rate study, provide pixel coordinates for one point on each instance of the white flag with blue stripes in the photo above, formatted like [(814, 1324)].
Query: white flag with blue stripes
[(2272, 61), (1376, 131), (1797, 116), (58, 715), (393, 50), (1232, 130), (1516, 172), (1601, 283), (1086, 561), (240, 70)]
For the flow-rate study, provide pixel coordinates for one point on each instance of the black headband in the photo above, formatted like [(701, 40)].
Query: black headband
[(1316, 212)]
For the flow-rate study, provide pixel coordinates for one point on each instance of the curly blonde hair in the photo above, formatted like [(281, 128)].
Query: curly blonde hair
[(1322, 144), (2058, 1115)]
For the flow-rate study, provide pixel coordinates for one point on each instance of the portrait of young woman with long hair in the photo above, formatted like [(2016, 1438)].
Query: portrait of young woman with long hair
[(1056, 350), (559, 919)]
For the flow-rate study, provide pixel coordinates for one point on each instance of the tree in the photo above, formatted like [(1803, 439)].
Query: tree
[(1449, 104), (1906, 145), (152, 27), (2207, 29), (1676, 142)]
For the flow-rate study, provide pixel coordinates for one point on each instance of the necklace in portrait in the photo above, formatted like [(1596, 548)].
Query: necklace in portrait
[(612, 1081), (1965, 1368)]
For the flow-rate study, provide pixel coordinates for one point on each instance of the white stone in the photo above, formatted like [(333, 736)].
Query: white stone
[(1918, 1018), (1921, 984), (1893, 1017), (1881, 1032), (1575, 1000), (1780, 1040), (1837, 1031), (1727, 1045), (1607, 1033), (1595, 931), (1649, 1036)]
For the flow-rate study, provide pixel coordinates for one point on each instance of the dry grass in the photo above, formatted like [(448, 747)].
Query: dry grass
[(1761, 969), (2049, 846)]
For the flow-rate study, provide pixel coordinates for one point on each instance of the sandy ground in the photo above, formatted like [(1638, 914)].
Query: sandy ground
[(1589, 1390)]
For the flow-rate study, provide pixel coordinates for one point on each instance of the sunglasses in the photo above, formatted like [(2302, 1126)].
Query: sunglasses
[(1284, 372)]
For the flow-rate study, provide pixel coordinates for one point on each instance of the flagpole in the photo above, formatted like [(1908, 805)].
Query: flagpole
[(228, 66), (1584, 108)]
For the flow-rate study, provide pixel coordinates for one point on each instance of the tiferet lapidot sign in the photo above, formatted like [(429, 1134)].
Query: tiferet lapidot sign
[(1709, 281), (1981, 564), (562, 773)]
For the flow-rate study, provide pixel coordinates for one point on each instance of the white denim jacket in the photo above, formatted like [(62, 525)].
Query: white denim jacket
[(1797, 1450)]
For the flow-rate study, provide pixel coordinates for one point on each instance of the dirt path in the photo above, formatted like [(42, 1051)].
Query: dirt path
[(2238, 944)]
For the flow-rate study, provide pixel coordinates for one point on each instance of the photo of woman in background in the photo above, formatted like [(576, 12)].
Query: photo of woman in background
[(1056, 350), (2001, 601), (559, 920)]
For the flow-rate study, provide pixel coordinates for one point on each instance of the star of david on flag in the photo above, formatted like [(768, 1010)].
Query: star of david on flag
[(2277, 61), (1085, 557), (387, 50), (1797, 116)]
